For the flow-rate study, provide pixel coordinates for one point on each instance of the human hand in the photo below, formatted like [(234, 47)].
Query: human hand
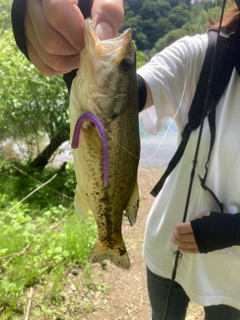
[(55, 31), (183, 236)]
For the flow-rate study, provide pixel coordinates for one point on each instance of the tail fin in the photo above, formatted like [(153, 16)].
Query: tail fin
[(117, 254)]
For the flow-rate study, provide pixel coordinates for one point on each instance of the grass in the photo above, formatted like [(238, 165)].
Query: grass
[(41, 239)]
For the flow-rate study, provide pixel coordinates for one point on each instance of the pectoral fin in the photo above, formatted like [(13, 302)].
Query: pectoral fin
[(132, 207), (80, 203)]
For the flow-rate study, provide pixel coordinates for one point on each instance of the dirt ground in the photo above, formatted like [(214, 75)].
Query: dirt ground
[(126, 296)]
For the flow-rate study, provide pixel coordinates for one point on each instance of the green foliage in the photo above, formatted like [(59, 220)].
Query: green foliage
[(18, 180), (197, 22), (142, 58), (169, 38), (179, 15), (150, 9), (135, 23), (152, 20), (33, 107), (214, 12), (40, 238), (5, 21), (133, 5)]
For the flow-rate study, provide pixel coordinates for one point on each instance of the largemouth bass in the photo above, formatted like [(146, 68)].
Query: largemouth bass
[(104, 133)]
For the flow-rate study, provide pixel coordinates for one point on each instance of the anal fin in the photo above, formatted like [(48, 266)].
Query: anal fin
[(80, 203), (133, 205)]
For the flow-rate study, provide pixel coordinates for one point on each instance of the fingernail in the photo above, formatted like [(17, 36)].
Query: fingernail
[(104, 30)]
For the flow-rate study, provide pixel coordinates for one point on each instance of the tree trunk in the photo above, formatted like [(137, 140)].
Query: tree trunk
[(42, 159)]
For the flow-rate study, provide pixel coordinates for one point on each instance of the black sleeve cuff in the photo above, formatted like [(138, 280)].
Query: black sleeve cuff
[(142, 92), (68, 78), (216, 231), (17, 15), (85, 7)]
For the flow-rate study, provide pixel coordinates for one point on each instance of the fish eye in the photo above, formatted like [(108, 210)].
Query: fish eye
[(126, 64)]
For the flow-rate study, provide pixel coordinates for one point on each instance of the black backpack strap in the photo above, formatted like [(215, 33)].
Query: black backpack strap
[(174, 161), (212, 127), (217, 90), (219, 80)]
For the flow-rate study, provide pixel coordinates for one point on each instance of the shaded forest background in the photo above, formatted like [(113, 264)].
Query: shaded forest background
[(157, 23)]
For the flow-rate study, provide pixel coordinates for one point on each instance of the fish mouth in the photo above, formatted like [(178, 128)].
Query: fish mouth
[(105, 48), (75, 141), (104, 96)]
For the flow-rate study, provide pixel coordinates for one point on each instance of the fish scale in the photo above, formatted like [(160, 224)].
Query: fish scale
[(106, 88)]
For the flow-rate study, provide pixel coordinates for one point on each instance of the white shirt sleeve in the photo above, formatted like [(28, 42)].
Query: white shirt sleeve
[(172, 76)]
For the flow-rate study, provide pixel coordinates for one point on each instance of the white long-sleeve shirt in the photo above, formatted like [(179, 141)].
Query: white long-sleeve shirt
[(172, 75)]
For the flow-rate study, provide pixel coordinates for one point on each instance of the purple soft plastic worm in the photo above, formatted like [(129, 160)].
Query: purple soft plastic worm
[(90, 117)]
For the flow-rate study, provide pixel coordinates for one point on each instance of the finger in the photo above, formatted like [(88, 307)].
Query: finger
[(51, 65), (186, 237), (38, 31), (203, 214), (107, 17), (188, 247), (184, 228), (56, 30), (67, 19), (48, 64), (185, 250)]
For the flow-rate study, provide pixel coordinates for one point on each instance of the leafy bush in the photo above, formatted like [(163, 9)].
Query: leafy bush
[(18, 181), (40, 237)]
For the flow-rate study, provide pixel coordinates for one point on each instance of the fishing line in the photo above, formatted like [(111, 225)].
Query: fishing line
[(178, 107), (172, 119), (109, 135), (183, 92)]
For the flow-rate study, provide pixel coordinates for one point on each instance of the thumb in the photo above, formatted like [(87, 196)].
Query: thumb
[(203, 214), (107, 17), (104, 30)]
